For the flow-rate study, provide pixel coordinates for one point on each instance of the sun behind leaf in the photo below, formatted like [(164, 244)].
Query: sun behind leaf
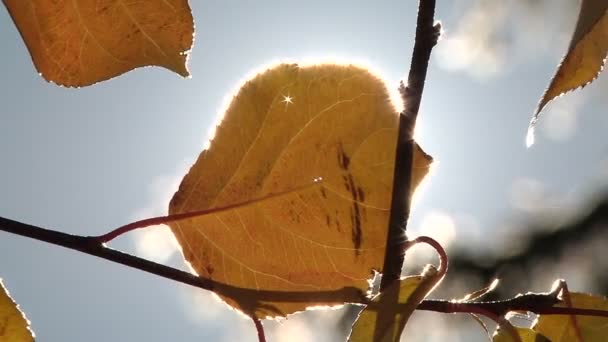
[(330, 153)]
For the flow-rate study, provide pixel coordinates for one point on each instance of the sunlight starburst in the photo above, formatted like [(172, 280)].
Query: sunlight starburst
[(287, 100)]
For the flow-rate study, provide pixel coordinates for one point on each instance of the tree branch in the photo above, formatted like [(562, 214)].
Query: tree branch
[(540, 303), (426, 37), (92, 246)]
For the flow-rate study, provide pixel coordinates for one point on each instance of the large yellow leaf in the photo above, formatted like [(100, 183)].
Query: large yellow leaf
[(586, 54), (559, 328), (286, 128), (525, 334), (384, 321), (14, 326), (81, 42)]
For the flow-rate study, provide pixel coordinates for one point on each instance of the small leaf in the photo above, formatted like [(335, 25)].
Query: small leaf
[(586, 54), (81, 42), (384, 321), (525, 334), (14, 326), (325, 137), (558, 328)]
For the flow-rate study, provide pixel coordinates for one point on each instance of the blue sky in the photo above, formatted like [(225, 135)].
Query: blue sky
[(87, 160)]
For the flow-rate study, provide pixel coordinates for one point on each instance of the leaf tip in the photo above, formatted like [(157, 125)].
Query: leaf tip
[(541, 105), (180, 66), (530, 134)]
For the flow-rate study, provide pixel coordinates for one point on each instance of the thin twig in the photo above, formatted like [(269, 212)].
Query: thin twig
[(441, 253), (91, 246), (107, 237), (539, 303), (260, 329)]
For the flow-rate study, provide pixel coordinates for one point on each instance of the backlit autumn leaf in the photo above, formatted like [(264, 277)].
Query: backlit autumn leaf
[(559, 328), (384, 321), (317, 145), (585, 57), (80, 42), (14, 326)]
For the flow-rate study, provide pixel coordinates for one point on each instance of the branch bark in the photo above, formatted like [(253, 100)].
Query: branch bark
[(540, 303), (427, 34), (92, 246)]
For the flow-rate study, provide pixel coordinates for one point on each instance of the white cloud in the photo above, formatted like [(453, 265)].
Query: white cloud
[(468, 229), (316, 325), (559, 123), (292, 330), (438, 225), (527, 194), (158, 243), (205, 306), (532, 196), (473, 45), (491, 37)]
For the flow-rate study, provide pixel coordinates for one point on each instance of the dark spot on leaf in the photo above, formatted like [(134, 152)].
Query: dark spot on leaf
[(346, 185), (338, 222), (361, 194), (355, 214), (327, 220), (355, 217), (352, 188), (102, 9), (345, 161), (343, 158), (323, 193)]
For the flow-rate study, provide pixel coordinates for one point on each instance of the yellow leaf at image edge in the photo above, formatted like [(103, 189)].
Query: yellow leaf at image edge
[(586, 54), (82, 42), (558, 328), (323, 136), (14, 326)]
